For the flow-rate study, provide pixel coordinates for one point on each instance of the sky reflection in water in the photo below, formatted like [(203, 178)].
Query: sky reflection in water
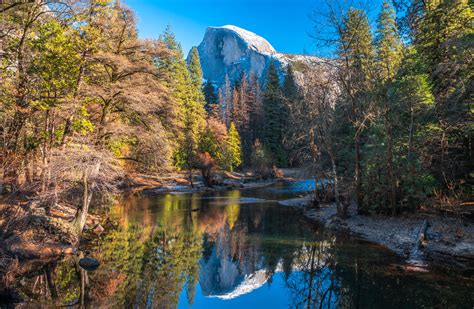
[(236, 251)]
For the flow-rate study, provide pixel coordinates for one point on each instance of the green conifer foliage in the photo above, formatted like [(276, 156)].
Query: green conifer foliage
[(210, 97), (195, 68), (356, 52), (185, 83), (274, 115), (290, 87), (233, 148), (388, 43)]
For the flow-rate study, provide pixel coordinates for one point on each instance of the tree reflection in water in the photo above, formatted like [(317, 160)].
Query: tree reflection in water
[(158, 252), (313, 284)]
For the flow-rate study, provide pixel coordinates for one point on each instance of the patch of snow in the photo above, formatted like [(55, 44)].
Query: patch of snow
[(289, 58), (253, 40)]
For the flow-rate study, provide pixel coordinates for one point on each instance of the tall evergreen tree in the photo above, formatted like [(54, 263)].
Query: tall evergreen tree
[(357, 48), (389, 55), (195, 116), (357, 55), (185, 83), (210, 97), (195, 69), (290, 87), (175, 75), (274, 117), (388, 43)]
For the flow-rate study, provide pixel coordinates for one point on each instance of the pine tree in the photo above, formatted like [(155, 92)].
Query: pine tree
[(171, 67), (185, 84), (233, 148), (196, 108), (175, 76), (357, 55), (290, 87), (273, 117), (195, 115), (388, 43), (195, 69), (389, 55), (356, 47), (210, 97)]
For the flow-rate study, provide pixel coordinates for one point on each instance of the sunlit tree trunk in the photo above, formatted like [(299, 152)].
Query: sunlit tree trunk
[(88, 188)]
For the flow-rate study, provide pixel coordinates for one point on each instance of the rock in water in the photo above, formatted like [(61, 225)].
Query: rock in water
[(89, 263), (232, 50)]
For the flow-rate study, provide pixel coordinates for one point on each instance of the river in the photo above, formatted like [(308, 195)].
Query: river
[(234, 249)]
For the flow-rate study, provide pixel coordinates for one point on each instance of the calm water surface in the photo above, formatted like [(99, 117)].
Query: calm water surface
[(235, 249)]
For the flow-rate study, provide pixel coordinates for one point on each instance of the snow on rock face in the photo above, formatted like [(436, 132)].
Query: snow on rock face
[(254, 41), (232, 50)]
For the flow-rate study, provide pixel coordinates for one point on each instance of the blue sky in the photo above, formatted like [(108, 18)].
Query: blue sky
[(286, 24)]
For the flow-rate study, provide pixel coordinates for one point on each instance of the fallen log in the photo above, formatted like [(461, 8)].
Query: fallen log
[(417, 256), (422, 234)]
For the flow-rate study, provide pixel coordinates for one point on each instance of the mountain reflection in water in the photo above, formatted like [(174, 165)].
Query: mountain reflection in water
[(232, 250)]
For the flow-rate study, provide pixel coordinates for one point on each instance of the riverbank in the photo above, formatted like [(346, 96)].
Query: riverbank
[(179, 182), (446, 243)]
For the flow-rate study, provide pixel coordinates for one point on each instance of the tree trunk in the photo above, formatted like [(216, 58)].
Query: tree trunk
[(410, 150), (358, 178), (206, 176), (341, 211), (44, 155), (191, 177), (88, 190), (316, 191), (391, 181), (81, 214), (2, 175)]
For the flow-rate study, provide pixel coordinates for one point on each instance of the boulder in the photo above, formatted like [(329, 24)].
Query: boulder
[(89, 264)]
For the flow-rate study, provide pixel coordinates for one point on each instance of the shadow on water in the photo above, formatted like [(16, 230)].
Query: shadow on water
[(234, 249)]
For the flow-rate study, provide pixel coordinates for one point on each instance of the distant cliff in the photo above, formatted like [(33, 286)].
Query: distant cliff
[(232, 50)]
